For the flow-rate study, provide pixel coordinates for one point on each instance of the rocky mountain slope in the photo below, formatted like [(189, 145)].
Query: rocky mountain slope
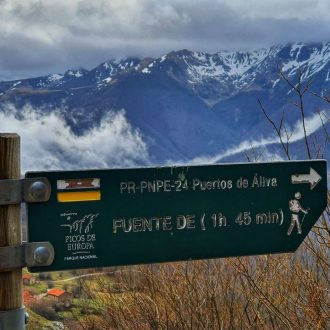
[(185, 103)]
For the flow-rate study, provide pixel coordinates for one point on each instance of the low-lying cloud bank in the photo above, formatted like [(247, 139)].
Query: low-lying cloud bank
[(47, 142), (296, 132)]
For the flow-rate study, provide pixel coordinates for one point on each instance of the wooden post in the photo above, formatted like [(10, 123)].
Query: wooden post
[(10, 223)]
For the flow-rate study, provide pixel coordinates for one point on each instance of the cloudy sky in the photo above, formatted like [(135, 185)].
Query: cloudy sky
[(44, 36)]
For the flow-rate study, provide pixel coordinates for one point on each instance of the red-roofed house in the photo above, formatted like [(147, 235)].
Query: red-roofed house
[(28, 279), (60, 296)]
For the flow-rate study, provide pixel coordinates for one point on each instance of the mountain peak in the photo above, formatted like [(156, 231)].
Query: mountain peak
[(211, 76)]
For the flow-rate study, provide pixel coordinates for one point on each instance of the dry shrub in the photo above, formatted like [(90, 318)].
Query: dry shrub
[(45, 309), (262, 292)]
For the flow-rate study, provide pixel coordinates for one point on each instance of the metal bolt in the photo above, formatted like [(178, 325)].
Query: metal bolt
[(38, 190), (27, 317), (41, 255)]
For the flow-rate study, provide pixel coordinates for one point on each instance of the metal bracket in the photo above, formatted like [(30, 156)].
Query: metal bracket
[(29, 190), (28, 254), (13, 319)]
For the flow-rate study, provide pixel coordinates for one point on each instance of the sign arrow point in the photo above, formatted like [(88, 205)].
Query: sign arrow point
[(313, 178)]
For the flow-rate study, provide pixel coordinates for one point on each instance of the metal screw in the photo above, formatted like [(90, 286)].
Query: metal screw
[(38, 190), (41, 255)]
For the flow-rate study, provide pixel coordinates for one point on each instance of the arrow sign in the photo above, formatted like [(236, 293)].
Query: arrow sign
[(313, 178), (114, 217)]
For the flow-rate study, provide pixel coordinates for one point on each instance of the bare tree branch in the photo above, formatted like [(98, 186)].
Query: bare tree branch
[(278, 129)]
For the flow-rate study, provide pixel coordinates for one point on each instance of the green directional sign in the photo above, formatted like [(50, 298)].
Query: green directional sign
[(145, 215)]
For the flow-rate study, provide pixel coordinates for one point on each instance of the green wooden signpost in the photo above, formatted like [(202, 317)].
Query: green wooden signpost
[(131, 216)]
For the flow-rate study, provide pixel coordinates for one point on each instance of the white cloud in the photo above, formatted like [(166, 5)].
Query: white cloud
[(47, 142)]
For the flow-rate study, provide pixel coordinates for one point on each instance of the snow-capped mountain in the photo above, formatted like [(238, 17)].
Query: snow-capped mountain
[(185, 103)]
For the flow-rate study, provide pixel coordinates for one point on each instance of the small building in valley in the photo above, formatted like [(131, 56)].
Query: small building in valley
[(60, 296), (28, 279)]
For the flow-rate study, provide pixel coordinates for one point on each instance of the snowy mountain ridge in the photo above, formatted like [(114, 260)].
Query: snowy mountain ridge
[(213, 77), (184, 103)]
